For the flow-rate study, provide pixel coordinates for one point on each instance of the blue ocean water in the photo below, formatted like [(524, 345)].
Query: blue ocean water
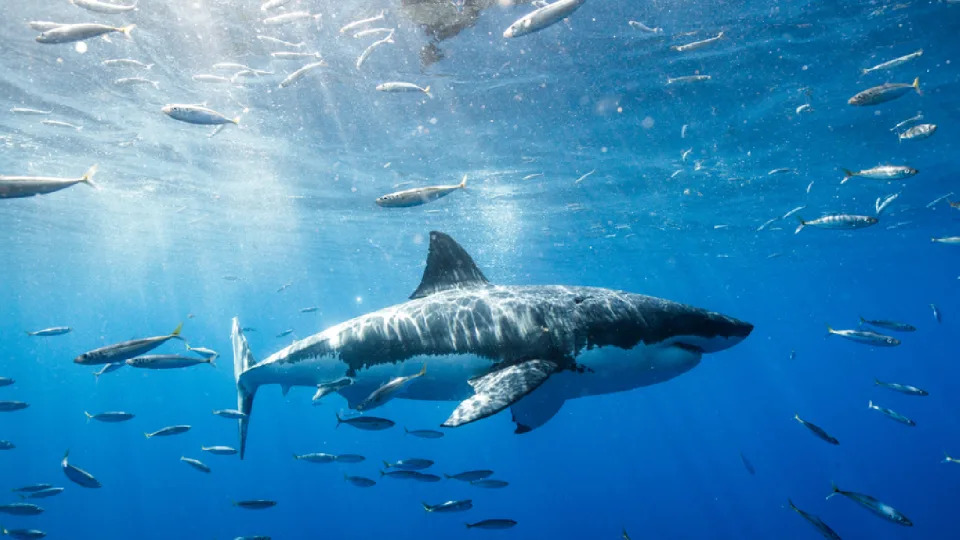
[(288, 197)]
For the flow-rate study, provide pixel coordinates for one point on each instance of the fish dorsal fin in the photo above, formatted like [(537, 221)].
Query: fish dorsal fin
[(448, 267)]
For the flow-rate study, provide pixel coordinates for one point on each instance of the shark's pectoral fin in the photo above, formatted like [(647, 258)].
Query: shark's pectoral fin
[(498, 390), (539, 407)]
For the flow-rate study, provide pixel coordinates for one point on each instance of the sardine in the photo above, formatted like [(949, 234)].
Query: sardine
[(256, 504), (103, 7), (418, 196), (168, 431), (470, 476), (331, 387), (135, 81), (196, 464), (490, 483), (167, 361), (644, 28), (817, 430), (884, 93), (946, 240), (197, 114), (10, 406), (895, 62), (918, 132), (77, 475), (14, 187), (410, 464), (316, 457), (294, 55), (389, 390), (889, 325), (396, 87), (290, 17), (492, 524), (902, 388), (356, 24), (688, 79), (865, 337), (44, 493), (298, 74), (891, 414), (882, 172), (54, 331), (369, 50), (232, 414), (424, 433), (367, 423), (879, 508), (697, 44), (20, 509), (543, 17), (838, 222), (219, 450), (68, 33), (350, 458), (449, 506), (129, 62), (107, 368), (824, 529), (359, 481), (112, 417)]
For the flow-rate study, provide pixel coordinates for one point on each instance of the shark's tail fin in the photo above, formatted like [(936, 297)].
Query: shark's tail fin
[(242, 361)]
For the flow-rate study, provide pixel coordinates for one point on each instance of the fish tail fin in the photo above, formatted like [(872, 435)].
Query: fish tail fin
[(916, 86), (469, 526), (145, 434), (833, 489), (870, 404), (242, 361), (339, 420), (792, 506), (876, 381), (295, 456), (87, 177), (830, 330), (423, 370), (427, 92), (386, 464), (127, 29), (176, 332), (235, 120), (405, 430), (864, 71), (212, 362), (382, 473), (862, 321), (463, 183), (447, 476), (720, 35), (88, 415), (946, 457), (800, 226), (149, 66), (425, 506)]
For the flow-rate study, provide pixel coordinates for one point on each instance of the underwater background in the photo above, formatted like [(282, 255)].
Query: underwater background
[(197, 229)]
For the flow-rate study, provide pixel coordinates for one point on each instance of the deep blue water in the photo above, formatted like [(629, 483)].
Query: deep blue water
[(287, 197)]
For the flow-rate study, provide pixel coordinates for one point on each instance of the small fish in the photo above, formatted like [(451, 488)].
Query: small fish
[(248, 329), (168, 431), (817, 430), (232, 414), (284, 287), (273, 4), (196, 464), (884, 93), (882, 205), (54, 331), (838, 222), (44, 493), (542, 17), (767, 223), (879, 508), (356, 24), (350, 458), (895, 62), (809, 187), (946, 240), (230, 66), (411, 464), (490, 483), (418, 196), (902, 388), (7, 445), (316, 457), (882, 172), (77, 475), (371, 32), (128, 62), (865, 337), (359, 481), (367, 423), (125, 350), (107, 368), (219, 450), (697, 44), (197, 114), (397, 86), (918, 132), (68, 33), (910, 120), (103, 7), (369, 50), (948, 459), (492, 524), (532, 176), (58, 123), (584, 177), (644, 28), (230, 278), (136, 81), (331, 387), (290, 17), (470, 476), (296, 75), (825, 530), (6, 381), (110, 417), (256, 504), (780, 170), (29, 111), (389, 390), (20, 509), (285, 333), (449, 506), (167, 361), (10, 406), (23, 534), (936, 313), (312, 309), (206, 78), (269, 39), (32, 488), (892, 414), (411, 475), (688, 79), (889, 325), (294, 55), (206, 353), (805, 108), (792, 212), (424, 433), (746, 464)]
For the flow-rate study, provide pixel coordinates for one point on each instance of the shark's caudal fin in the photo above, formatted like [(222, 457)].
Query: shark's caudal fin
[(448, 267), (242, 361)]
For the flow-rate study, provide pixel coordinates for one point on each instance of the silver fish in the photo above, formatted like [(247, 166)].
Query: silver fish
[(350, 458), (895, 62), (889, 325), (369, 50), (273, 4), (207, 78), (316, 457), (389, 390), (891, 414), (688, 79), (107, 368), (403, 87), (285, 333), (449, 506), (371, 32), (133, 81), (232, 414), (62, 124), (884, 93), (298, 74), (410, 464), (68, 33), (113, 416), (256, 504), (197, 114), (204, 352), (490, 483), (418, 196), (54, 331), (32, 488), (824, 529), (936, 313), (492, 524), (27, 110), (918, 132), (946, 240), (219, 450), (10, 406), (424, 433), (103, 7), (126, 350), (543, 17), (356, 24), (44, 493), (290, 17), (12, 187), (697, 44), (644, 28), (838, 221), (902, 388), (168, 431), (865, 337), (78, 475), (367, 423), (294, 55), (882, 205), (196, 464), (359, 481), (817, 430), (882, 172), (331, 387), (269, 39), (20, 509), (948, 459), (311, 309), (910, 120), (470, 476), (879, 508), (167, 361), (129, 62)]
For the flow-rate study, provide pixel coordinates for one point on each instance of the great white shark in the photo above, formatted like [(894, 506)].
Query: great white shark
[(490, 347)]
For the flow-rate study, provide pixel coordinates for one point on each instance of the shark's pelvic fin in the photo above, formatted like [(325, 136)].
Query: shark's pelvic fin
[(449, 266), (498, 390)]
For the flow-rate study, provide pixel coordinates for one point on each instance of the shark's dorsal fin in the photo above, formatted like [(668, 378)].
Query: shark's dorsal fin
[(448, 267)]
